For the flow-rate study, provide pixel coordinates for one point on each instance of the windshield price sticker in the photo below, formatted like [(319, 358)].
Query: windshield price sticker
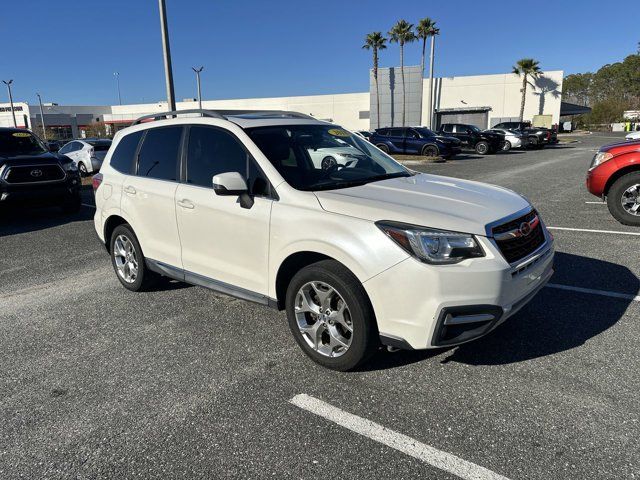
[(338, 132), (21, 134)]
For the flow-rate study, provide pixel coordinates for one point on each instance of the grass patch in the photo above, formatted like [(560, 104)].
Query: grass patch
[(418, 159)]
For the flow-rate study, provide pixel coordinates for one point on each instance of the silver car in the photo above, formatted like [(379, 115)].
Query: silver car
[(512, 139), (87, 153)]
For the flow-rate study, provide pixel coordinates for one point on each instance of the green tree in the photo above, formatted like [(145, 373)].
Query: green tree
[(427, 28), (375, 42), (402, 33), (526, 67)]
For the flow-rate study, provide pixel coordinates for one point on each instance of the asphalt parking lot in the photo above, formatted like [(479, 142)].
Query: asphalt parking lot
[(99, 382)]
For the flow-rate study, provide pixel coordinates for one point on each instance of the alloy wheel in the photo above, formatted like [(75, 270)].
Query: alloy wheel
[(124, 254), (631, 200), (324, 319)]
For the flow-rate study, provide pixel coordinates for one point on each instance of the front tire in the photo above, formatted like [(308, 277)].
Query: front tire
[(482, 148), (330, 316), (430, 151), (128, 261), (506, 146), (83, 169), (623, 199)]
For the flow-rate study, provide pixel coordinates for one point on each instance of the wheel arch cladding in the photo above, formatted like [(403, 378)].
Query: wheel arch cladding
[(109, 226), (619, 174)]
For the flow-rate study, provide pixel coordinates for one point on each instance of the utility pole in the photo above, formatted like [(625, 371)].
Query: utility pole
[(432, 53), (117, 75), (13, 113), (44, 131), (166, 50), (198, 70)]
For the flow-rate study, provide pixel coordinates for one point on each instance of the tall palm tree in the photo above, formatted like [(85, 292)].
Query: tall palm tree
[(375, 41), (427, 28), (401, 33), (526, 67)]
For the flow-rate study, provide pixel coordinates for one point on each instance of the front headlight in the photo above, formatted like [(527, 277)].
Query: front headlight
[(432, 246), (599, 158), (70, 167)]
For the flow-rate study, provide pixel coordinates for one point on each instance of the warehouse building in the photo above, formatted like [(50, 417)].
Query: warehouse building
[(482, 100)]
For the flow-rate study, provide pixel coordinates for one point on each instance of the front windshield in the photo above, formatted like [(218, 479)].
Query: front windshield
[(323, 157), (13, 144)]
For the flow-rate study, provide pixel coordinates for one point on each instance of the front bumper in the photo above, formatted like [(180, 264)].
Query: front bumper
[(39, 194), (424, 306)]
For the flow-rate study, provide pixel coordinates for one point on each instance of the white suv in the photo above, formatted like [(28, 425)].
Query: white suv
[(360, 254)]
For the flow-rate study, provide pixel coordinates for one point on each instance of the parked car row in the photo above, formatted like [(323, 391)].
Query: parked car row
[(451, 138)]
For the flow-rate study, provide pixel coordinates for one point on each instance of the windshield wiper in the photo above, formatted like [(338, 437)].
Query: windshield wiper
[(361, 181)]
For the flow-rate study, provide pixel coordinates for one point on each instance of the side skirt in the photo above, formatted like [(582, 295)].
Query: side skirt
[(210, 283)]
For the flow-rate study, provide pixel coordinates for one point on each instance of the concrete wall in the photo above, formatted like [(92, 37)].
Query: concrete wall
[(390, 87), (499, 92)]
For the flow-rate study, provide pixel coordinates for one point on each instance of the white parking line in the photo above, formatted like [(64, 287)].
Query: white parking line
[(593, 231), (407, 445), (591, 291), (596, 203)]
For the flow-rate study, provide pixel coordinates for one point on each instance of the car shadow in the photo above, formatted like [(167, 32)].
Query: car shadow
[(23, 220), (554, 321)]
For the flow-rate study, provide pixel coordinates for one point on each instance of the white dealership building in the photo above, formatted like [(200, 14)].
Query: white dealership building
[(483, 100)]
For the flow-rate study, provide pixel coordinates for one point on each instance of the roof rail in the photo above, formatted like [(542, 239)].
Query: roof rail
[(160, 115)]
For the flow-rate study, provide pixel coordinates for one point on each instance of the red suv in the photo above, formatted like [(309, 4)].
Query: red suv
[(614, 174)]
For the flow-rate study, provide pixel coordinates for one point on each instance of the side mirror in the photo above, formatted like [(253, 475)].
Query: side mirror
[(229, 183)]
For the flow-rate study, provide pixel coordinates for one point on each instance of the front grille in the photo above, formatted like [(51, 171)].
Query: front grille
[(517, 248), (34, 174)]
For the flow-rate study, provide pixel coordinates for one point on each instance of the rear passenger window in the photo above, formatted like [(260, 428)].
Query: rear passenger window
[(158, 156), (122, 158), (396, 132)]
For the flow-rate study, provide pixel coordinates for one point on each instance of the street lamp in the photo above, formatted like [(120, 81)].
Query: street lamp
[(44, 131), (13, 113), (198, 70), (117, 75), (168, 72)]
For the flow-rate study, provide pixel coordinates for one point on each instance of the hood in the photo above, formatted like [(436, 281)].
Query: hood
[(426, 200), (445, 139), (37, 159)]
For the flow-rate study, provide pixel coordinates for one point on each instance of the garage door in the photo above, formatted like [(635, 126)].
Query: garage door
[(479, 119)]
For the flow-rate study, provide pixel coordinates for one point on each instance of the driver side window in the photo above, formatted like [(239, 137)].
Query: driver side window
[(213, 151)]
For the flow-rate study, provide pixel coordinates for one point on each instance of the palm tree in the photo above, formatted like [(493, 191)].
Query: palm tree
[(526, 67), (427, 28), (375, 41), (401, 33)]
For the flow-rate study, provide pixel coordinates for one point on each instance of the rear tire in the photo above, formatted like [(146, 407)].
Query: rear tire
[(126, 254), (506, 146), (620, 199), (383, 147), (482, 148), (83, 169), (343, 333)]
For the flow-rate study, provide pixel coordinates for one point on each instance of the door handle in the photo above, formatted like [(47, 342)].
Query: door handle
[(186, 204), (130, 190)]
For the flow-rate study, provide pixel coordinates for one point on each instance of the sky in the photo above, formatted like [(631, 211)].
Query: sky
[(68, 50)]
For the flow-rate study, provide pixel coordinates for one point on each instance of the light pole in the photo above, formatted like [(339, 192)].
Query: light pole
[(44, 131), (117, 75), (13, 113), (166, 50), (198, 70)]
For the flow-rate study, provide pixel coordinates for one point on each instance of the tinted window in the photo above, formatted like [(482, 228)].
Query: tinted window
[(396, 132), (122, 158), (66, 148), (158, 156), (383, 131), (212, 151), (15, 142), (447, 127), (412, 133)]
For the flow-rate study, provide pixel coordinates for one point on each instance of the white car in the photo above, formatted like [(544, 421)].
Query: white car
[(633, 135), (87, 154), (512, 139), (358, 257)]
